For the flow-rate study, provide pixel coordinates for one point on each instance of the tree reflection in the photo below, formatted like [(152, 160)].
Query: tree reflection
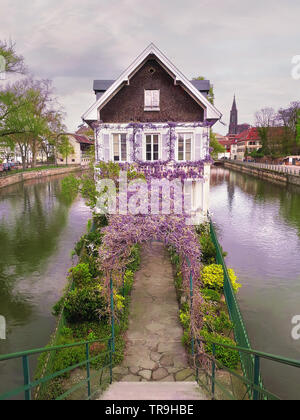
[(33, 218)]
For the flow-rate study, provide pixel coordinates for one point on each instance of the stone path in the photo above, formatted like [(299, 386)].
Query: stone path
[(163, 391), (154, 350)]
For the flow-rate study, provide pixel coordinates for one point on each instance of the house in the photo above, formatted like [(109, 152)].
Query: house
[(82, 151), (154, 116), (226, 143), (245, 143)]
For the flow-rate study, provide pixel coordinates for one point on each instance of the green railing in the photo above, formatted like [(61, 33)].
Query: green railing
[(250, 359), (240, 332), (252, 387), (29, 384)]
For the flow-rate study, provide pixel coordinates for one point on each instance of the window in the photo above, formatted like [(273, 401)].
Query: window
[(119, 147), (185, 146), (152, 147), (151, 100)]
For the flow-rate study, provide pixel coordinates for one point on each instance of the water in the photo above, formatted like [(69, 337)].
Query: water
[(259, 226), (38, 230)]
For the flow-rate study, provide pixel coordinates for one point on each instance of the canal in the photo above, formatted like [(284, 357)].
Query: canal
[(38, 230), (259, 227)]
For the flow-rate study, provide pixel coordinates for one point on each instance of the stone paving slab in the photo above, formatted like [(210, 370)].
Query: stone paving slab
[(162, 391), (154, 349)]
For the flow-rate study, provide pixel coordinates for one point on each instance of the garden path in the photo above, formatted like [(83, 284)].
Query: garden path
[(154, 350)]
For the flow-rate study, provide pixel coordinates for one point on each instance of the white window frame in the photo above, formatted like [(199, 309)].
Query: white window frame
[(120, 151), (151, 107), (152, 151), (184, 133)]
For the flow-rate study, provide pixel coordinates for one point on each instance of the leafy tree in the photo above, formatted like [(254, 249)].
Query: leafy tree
[(216, 146), (14, 63), (65, 149), (264, 119)]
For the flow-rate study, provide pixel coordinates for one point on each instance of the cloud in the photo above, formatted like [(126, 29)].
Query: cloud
[(243, 48)]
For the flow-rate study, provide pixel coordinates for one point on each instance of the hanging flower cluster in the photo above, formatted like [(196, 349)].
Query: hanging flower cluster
[(125, 231)]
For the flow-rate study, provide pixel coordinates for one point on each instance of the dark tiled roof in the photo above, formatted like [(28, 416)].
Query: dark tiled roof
[(102, 85), (82, 139), (201, 85)]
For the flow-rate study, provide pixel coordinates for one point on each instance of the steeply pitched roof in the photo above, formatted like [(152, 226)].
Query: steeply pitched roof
[(82, 139), (92, 113), (249, 134)]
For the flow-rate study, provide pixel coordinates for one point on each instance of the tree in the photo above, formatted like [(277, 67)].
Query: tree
[(14, 63), (65, 149), (264, 119), (216, 146), (211, 94)]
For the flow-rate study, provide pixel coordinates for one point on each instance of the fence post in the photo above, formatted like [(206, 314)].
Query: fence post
[(112, 313), (256, 377), (87, 352), (110, 360), (213, 373), (26, 374)]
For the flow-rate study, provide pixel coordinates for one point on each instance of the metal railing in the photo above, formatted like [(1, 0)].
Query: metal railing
[(31, 384), (281, 169), (253, 388), (250, 359), (240, 332)]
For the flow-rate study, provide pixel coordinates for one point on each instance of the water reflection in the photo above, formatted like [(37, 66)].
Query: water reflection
[(259, 226), (38, 229)]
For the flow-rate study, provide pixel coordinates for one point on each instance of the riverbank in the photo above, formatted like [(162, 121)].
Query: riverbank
[(36, 174), (264, 173)]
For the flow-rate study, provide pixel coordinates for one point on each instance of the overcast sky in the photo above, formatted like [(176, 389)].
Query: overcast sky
[(244, 47)]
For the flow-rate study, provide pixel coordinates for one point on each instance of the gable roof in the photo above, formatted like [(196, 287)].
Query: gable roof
[(81, 139), (249, 134), (92, 113)]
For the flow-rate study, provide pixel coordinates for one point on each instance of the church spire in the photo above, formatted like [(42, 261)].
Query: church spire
[(233, 125)]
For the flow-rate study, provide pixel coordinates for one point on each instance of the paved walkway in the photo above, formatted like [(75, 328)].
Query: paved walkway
[(154, 350)]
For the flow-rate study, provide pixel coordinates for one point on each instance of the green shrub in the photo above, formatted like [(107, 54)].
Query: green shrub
[(185, 319), (57, 308), (128, 281), (81, 275), (213, 277), (84, 304), (228, 357), (222, 322), (210, 294), (134, 258)]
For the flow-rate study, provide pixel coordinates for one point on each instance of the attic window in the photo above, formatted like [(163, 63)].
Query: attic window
[(151, 100)]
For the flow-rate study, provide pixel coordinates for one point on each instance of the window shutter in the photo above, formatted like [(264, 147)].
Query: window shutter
[(198, 146), (155, 98), (148, 98), (106, 148)]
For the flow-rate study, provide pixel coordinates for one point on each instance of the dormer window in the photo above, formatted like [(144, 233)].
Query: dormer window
[(151, 100)]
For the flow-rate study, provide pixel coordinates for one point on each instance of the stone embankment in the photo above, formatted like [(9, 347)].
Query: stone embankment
[(26, 175), (274, 173)]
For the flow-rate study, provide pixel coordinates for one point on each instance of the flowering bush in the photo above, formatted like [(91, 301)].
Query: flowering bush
[(213, 277)]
